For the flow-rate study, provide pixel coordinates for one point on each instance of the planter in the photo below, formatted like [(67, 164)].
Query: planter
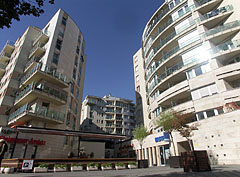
[(8, 170), (2, 170), (76, 168), (60, 169), (142, 163), (175, 162), (195, 161), (132, 166), (119, 167), (40, 170), (92, 168), (106, 168)]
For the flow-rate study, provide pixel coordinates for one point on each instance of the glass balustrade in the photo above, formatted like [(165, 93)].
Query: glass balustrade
[(222, 28), (226, 46), (33, 59), (202, 2), (43, 88), (18, 112), (46, 70)]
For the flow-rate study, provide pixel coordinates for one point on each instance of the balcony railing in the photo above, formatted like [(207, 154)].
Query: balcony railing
[(47, 70), (158, 18), (33, 59), (38, 45), (170, 37), (44, 88), (216, 12), (222, 28), (39, 36), (169, 72), (38, 111), (202, 2), (226, 46)]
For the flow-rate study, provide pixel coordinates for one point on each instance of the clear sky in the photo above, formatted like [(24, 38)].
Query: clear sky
[(112, 30)]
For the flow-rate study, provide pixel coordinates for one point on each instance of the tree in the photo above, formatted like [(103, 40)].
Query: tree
[(167, 120), (12, 9), (140, 133)]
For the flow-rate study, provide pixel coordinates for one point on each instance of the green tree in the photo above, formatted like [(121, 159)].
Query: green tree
[(12, 9), (167, 120), (140, 133)]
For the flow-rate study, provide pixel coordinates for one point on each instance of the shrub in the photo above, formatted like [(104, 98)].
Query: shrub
[(76, 165), (132, 163), (91, 165), (59, 166), (106, 165), (43, 166), (120, 164)]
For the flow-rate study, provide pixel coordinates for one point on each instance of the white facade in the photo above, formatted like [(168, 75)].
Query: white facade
[(42, 85), (190, 58)]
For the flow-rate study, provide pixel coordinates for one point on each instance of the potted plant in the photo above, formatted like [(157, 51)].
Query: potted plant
[(140, 133), (106, 166), (41, 168), (132, 165), (60, 168), (76, 167), (92, 166), (119, 166), (7, 170)]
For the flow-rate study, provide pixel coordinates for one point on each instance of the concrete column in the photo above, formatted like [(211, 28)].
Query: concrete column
[(154, 155), (158, 156), (150, 156)]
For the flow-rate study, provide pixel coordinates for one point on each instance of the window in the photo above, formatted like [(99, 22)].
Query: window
[(61, 33), (79, 39), (64, 21), (90, 121), (76, 61), (55, 58), (210, 113), (77, 50), (59, 44), (136, 59), (68, 119), (180, 12), (200, 116), (138, 88), (137, 78), (78, 81), (80, 69), (74, 74), (72, 88), (198, 71), (204, 92), (82, 59), (136, 68)]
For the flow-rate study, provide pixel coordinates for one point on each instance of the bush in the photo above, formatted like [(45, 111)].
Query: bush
[(43, 166), (91, 165), (106, 165), (76, 165), (59, 166), (120, 164), (132, 163)]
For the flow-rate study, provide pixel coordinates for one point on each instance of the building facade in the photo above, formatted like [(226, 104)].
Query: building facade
[(42, 77), (189, 62), (108, 115)]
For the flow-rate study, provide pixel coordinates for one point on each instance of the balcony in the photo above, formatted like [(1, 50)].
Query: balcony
[(37, 50), (36, 74), (2, 69), (110, 126), (226, 50), (42, 37), (31, 63), (230, 72), (9, 47), (204, 6), (4, 57), (91, 101), (35, 112), (214, 17), (40, 90), (222, 32)]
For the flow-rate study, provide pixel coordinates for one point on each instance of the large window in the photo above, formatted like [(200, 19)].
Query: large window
[(209, 113), (204, 92), (59, 44), (194, 72), (55, 58)]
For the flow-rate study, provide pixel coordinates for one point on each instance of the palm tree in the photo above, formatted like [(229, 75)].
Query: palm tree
[(140, 133)]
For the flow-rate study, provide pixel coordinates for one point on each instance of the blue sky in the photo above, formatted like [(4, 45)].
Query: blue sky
[(112, 30)]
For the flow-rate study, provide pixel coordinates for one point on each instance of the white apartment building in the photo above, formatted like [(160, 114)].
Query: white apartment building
[(189, 62), (42, 78), (109, 114)]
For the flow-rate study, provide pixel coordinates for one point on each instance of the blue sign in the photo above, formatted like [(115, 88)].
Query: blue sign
[(165, 138)]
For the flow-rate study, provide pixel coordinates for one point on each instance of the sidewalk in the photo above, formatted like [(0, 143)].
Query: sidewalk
[(217, 171)]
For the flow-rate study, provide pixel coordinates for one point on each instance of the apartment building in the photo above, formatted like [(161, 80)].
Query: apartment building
[(189, 62), (42, 78), (108, 114)]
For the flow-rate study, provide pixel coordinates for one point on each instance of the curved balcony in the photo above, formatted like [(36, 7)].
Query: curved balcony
[(204, 6), (229, 72), (222, 32), (158, 18), (40, 90), (51, 76), (165, 27), (216, 16), (31, 63), (2, 69), (35, 112), (170, 38)]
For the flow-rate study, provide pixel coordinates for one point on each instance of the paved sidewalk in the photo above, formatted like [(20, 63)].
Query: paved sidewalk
[(217, 171)]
